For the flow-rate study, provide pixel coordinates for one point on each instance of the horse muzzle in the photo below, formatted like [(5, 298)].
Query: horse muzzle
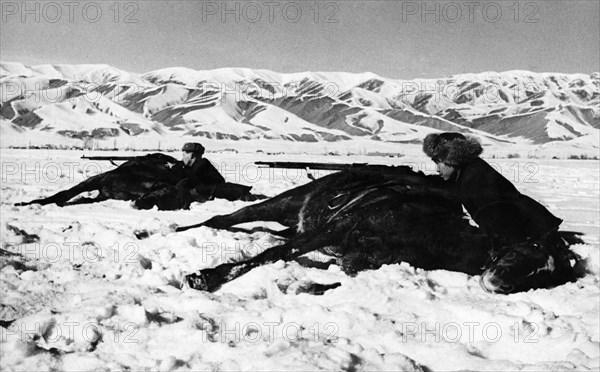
[(491, 282)]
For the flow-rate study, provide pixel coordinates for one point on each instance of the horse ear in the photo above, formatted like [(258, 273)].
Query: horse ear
[(553, 241)]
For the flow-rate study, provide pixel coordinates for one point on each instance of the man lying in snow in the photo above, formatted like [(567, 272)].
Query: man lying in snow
[(155, 179), (493, 202), (199, 181), (369, 216)]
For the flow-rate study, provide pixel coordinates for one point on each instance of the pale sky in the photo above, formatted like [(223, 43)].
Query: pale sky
[(395, 39)]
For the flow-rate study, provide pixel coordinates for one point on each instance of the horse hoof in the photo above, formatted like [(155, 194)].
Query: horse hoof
[(195, 281), (316, 289), (144, 203), (141, 234)]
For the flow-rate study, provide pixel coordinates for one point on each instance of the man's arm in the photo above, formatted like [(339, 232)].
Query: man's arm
[(202, 172)]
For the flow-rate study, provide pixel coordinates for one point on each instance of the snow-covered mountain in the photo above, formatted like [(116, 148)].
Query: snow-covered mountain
[(102, 102)]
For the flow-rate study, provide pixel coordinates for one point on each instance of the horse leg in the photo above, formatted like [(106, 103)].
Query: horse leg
[(211, 279), (62, 197), (286, 233), (84, 200), (279, 209), (287, 208)]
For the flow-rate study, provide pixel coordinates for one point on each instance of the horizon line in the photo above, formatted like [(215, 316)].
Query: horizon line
[(301, 72)]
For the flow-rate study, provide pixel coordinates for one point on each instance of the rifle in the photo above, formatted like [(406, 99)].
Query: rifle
[(319, 166), (112, 159), (309, 165), (408, 176)]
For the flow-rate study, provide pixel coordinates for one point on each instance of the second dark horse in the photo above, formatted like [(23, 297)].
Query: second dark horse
[(380, 215), (148, 180)]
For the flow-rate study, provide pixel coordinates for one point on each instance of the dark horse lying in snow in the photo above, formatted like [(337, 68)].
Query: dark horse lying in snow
[(384, 215), (149, 180)]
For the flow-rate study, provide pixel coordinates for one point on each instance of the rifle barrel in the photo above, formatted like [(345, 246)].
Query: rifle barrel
[(110, 158), (310, 165)]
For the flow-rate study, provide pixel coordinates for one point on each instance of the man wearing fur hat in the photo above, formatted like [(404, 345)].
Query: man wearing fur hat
[(202, 181), (199, 181), (492, 201), (197, 170)]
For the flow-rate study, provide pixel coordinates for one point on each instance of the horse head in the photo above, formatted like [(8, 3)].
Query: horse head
[(529, 265)]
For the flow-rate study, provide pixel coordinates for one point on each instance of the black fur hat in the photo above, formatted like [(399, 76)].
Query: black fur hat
[(451, 148), (193, 147)]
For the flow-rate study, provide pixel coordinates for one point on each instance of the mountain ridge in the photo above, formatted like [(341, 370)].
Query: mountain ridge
[(103, 102)]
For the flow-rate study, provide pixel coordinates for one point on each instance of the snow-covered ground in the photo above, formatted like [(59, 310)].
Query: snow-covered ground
[(100, 299)]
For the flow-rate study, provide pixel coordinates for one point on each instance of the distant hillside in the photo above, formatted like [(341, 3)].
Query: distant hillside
[(101, 102)]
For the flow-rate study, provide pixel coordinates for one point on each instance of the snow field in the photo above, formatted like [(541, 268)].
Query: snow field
[(102, 299)]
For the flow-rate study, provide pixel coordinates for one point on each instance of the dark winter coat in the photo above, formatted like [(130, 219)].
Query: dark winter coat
[(202, 181), (498, 207), (200, 173)]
